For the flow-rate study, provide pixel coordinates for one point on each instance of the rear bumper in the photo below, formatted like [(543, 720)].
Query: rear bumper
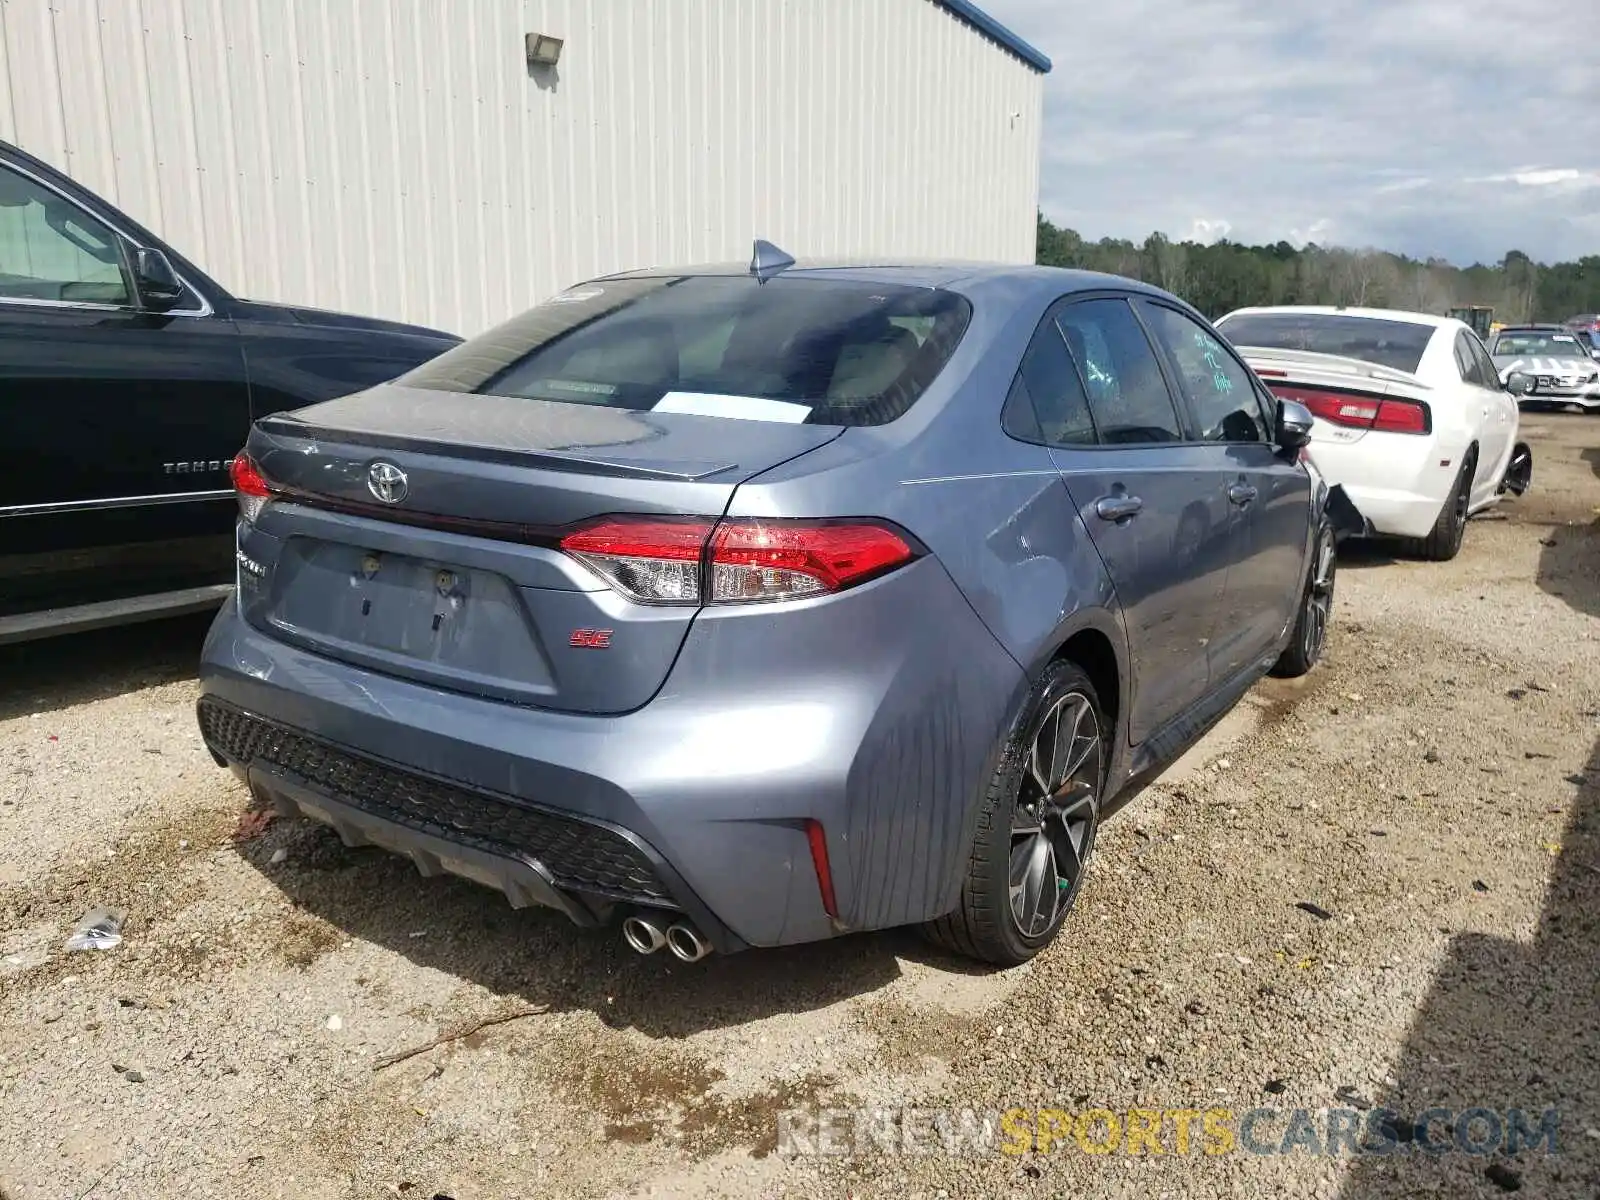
[(1395, 481), (876, 714)]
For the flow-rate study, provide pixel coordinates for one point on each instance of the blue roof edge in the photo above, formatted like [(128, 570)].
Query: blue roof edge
[(985, 24)]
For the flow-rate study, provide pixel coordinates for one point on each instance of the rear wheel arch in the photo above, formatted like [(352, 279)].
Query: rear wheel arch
[(1094, 651), (1472, 455), (1092, 638)]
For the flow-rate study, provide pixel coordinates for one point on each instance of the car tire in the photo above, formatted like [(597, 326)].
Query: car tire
[(1444, 542), (1031, 847), (1310, 634)]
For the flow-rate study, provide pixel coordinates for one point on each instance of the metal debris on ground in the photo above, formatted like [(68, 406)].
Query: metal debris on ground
[(100, 929), (1353, 1098)]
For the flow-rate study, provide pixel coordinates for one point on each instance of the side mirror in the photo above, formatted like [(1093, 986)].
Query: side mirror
[(1519, 383), (1294, 425), (155, 281)]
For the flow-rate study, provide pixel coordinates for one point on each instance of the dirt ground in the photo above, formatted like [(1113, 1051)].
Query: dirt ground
[(1432, 791)]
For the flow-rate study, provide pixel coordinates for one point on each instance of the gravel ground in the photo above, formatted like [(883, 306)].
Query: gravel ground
[(1432, 790)]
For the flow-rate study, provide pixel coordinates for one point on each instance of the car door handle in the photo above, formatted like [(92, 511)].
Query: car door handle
[(1117, 508), (1241, 494)]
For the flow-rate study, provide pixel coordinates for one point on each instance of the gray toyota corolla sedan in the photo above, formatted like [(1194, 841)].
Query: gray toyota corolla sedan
[(752, 606)]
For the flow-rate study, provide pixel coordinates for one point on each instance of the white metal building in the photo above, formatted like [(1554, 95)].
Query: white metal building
[(406, 158)]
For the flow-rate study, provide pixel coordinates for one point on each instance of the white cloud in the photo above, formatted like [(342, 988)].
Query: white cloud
[(1543, 178), (1404, 185), (1207, 230), (1404, 125), (1318, 231)]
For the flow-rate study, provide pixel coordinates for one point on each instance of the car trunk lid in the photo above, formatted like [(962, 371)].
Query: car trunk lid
[(1348, 397), (417, 533)]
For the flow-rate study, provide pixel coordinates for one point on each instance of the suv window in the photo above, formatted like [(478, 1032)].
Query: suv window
[(836, 352), (1465, 362), (1049, 384), (1219, 388), (1128, 396), (50, 249)]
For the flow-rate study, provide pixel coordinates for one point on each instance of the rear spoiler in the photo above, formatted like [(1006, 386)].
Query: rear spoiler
[(1308, 366)]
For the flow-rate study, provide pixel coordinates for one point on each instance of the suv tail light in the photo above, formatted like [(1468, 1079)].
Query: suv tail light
[(1362, 412), (250, 486), (667, 560)]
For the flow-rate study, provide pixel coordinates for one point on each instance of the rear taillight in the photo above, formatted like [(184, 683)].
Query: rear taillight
[(775, 560), (1362, 412), (657, 560), (250, 485)]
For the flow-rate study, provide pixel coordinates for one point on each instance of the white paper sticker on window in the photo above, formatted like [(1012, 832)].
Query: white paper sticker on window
[(740, 408)]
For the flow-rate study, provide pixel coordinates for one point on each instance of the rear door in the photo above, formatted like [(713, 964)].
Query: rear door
[(1270, 495), (118, 424), (1154, 503)]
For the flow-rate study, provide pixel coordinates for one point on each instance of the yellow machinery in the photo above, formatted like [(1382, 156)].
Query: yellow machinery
[(1479, 316)]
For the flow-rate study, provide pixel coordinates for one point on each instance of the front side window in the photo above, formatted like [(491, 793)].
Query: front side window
[(798, 348), (1218, 386), (50, 249), (1128, 396)]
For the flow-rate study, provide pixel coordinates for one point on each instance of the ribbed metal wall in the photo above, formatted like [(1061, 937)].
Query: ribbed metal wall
[(400, 158)]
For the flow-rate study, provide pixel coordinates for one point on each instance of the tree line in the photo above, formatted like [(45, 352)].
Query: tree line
[(1224, 275)]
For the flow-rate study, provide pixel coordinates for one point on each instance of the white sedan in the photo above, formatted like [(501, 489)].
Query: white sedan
[(1411, 415)]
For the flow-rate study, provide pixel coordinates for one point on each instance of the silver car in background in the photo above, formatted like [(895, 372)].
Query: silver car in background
[(1558, 360)]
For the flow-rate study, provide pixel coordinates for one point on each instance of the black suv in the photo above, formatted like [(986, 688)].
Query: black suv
[(128, 381)]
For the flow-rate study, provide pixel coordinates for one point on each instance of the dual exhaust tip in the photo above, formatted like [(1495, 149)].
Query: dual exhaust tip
[(646, 934)]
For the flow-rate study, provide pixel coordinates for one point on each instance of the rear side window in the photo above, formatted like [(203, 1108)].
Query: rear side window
[(1049, 383), (1384, 343), (797, 348), (1486, 369), (1127, 395), (1466, 363)]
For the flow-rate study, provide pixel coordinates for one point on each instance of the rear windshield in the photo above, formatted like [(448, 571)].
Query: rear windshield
[(1397, 344), (823, 351)]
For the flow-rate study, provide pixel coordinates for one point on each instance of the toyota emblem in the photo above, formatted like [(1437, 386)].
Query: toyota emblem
[(387, 482)]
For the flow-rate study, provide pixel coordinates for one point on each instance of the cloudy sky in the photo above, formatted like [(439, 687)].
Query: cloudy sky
[(1457, 128)]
